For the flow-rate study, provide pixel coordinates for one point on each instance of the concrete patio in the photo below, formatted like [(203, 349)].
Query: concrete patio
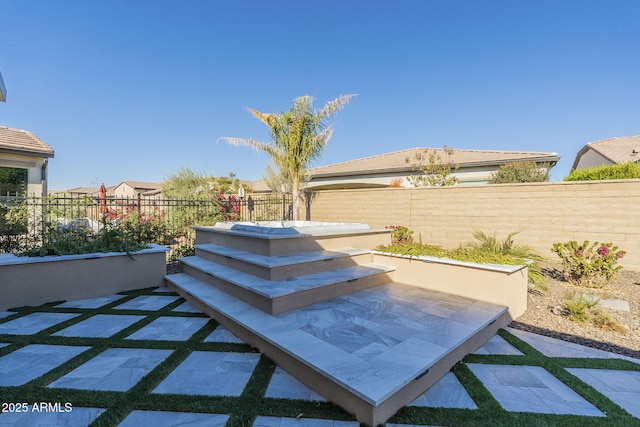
[(92, 353)]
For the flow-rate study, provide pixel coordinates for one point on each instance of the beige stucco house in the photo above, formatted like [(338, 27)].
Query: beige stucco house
[(23, 163), (608, 152), (132, 189), (474, 167)]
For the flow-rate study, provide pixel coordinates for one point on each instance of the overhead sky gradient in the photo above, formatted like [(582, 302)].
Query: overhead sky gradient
[(135, 90)]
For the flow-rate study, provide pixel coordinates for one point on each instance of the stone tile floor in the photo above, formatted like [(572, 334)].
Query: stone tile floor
[(163, 363)]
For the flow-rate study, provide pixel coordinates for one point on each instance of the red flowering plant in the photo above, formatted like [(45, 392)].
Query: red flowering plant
[(136, 224), (400, 234), (589, 265)]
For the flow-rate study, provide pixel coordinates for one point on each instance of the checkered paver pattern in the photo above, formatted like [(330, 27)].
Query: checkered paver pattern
[(181, 368)]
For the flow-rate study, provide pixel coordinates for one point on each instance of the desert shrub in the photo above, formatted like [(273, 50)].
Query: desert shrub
[(187, 249), (588, 265), (520, 172), (629, 170), (400, 234), (508, 247), (578, 307), (582, 308)]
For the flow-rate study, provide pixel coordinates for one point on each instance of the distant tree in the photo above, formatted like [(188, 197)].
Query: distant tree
[(278, 181), (299, 136), (520, 172), (187, 183), (433, 170), (629, 170)]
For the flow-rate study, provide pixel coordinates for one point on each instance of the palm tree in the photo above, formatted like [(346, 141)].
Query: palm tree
[(299, 136)]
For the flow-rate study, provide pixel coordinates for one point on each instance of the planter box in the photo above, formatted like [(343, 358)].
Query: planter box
[(498, 284), (32, 281)]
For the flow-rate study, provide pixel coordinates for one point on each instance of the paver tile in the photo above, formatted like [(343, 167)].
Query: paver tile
[(34, 323), (446, 393), (100, 326), (221, 334), (301, 422), (115, 369), (170, 329), (623, 387), (211, 373), (147, 302), (91, 302), (498, 345), (173, 419), (531, 389), (77, 417), (29, 362), (285, 386), (186, 307)]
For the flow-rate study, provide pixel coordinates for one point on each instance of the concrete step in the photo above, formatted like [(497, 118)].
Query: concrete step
[(371, 352), (288, 241), (278, 296), (284, 266)]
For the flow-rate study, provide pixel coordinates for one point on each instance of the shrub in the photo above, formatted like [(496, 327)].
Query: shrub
[(588, 265), (400, 234), (584, 309), (508, 247), (578, 307), (520, 172), (629, 170)]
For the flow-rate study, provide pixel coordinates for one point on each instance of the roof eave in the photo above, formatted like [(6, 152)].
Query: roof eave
[(553, 159), (45, 154)]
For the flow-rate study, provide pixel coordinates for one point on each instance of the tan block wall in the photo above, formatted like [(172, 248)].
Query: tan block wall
[(544, 213)]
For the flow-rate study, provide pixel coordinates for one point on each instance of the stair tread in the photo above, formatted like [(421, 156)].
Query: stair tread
[(282, 260), (278, 288), (372, 342)]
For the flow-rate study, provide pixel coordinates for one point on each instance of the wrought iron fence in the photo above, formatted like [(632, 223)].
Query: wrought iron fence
[(25, 221)]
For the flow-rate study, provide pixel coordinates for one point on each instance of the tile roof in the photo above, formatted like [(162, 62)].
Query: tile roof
[(618, 150), (23, 142), (397, 160), (143, 185)]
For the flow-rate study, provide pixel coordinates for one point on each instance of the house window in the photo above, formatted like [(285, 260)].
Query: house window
[(13, 181)]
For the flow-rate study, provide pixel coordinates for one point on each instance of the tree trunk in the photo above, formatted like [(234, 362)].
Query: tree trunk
[(295, 195)]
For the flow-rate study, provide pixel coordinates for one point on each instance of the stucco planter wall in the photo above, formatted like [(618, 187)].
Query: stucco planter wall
[(32, 281), (498, 284)]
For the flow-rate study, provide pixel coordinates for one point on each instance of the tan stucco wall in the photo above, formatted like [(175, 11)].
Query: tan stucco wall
[(592, 159), (544, 213)]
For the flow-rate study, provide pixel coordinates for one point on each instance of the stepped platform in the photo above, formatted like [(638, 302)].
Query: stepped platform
[(283, 267), (275, 297), (371, 352), (306, 297)]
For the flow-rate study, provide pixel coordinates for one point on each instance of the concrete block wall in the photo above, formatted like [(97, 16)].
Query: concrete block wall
[(544, 213)]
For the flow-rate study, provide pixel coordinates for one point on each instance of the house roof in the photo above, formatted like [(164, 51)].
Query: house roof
[(23, 142), (617, 150), (405, 159), (142, 185)]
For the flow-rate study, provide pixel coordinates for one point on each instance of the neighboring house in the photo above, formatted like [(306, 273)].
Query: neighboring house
[(134, 188), (23, 163), (608, 152), (84, 191), (393, 169)]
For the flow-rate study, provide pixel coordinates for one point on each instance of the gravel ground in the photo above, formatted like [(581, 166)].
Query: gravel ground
[(546, 315)]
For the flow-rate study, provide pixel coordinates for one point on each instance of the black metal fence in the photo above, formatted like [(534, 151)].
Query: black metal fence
[(25, 221)]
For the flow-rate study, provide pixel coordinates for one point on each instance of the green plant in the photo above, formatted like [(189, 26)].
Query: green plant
[(400, 234), (433, 170), (299, 136), (508, 247), (584, 309), (629, 170), (520, 172), (187, 249), (578, 307), (588, 265)]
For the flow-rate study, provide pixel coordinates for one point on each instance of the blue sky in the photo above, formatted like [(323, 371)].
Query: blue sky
[(137, 89)]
